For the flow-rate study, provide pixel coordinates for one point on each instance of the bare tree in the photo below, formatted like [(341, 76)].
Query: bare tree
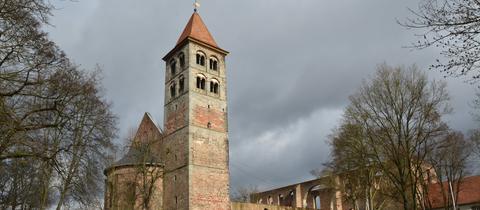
[(89, 134), (453, 26), (399, 114), (242, 194), (449, 161), (356, 170), (147, 168), (148, 171), (55, 126)]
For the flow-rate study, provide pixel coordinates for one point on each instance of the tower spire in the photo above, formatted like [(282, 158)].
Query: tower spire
[(196, 5)]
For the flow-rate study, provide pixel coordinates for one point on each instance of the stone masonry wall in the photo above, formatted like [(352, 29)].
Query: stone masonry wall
[(208, 139)]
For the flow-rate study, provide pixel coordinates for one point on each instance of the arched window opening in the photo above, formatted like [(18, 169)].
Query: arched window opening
[(292, 198), (200, 59), (173, 90), (213, 64), (181, 58), (181, 84), (317, 202), (214, 86), (201, 82), (280, 199), (260, 201), (173, 67), (209, 125), (270, 200)]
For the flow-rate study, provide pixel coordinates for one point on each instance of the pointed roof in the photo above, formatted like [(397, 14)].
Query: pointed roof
[(147, 133), (196, 29)]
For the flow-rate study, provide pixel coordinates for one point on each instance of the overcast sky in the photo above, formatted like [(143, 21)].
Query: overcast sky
[(292, 66)]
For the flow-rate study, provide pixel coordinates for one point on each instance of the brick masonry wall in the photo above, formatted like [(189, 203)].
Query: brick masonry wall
[(208, 146)]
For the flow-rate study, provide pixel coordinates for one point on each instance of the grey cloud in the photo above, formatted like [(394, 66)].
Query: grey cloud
[(291, 63)]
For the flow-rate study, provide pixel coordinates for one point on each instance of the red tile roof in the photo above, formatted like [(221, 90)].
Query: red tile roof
[(197, 30), (469, 192)]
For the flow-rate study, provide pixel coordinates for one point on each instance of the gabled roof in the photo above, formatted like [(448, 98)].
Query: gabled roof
[(197, 30), (146, 135), (469, 192)]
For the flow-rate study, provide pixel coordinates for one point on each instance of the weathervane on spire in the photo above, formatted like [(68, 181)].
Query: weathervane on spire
[(196, 5)]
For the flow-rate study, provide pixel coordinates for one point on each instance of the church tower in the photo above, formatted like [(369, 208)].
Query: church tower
[(196, 174)]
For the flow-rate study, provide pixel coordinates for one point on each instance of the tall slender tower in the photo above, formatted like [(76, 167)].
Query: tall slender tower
[(196, 139)]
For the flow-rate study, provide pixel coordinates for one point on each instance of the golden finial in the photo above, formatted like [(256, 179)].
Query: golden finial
[(196, 5)]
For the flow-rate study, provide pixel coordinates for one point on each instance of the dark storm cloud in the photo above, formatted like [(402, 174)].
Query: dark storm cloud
[(291, 68)]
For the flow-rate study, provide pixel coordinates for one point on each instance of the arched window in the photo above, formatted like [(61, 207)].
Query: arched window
[(181, 58), (173, 67), (213, 64), (317, 202), (201, 82), (214, 86), (292, 198), (270, 200), (280, 199), (173, 90), (200, 59), (181, 84)]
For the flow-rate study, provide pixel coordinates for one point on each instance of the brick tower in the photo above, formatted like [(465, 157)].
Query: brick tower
[(195, 150)]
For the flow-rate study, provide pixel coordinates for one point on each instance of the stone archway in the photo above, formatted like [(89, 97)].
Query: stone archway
[(313, 198)]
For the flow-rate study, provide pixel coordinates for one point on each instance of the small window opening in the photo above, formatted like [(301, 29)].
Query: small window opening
[(200, 59), (181, 84), (174, 177), (208, 106), (213, 64), (200, 83), (176, 107), (317, 202), (176, 200), (209, 125), (173, 67), (181, 58), (173, 90), (214, 87)]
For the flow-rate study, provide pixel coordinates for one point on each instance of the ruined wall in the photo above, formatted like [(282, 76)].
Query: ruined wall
[(252, 206), (302, 195)]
